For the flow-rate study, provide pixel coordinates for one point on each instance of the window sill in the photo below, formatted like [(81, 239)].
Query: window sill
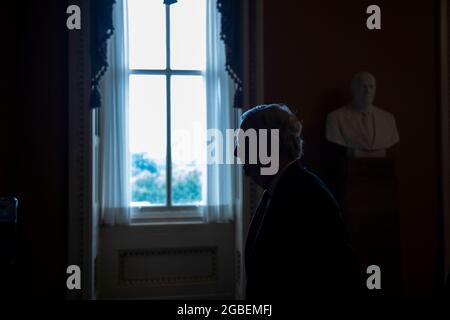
[(164, 215), (140, 220), (141, 223)]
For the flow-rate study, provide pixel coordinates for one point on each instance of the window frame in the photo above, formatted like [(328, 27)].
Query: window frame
[(167, 212)]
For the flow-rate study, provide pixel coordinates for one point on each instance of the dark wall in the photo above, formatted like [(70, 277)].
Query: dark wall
[(311, 51), (34, 124)]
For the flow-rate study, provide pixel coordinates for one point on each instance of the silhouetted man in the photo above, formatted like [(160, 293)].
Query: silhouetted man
[(296, 244)]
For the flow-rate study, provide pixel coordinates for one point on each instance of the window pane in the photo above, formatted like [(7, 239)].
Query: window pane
[(147, 34), (147, 132), (188, 34), (188, 115)]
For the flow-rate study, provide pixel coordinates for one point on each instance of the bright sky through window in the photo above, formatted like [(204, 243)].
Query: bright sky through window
[(155, 73)]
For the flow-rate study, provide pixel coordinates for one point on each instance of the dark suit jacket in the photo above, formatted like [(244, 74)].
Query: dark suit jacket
[(297, 244)]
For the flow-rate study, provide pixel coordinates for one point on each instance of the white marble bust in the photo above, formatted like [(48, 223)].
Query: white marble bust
[(366, 130)]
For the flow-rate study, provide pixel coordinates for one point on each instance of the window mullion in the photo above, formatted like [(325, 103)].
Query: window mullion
[(169, 137)]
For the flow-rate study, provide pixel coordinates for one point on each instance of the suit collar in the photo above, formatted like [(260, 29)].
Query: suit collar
[(276, 179)]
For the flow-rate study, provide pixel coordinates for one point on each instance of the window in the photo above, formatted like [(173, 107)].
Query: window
[(166, 85), (167, 103)]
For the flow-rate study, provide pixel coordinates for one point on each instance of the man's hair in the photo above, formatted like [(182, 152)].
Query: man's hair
[(279, 116)]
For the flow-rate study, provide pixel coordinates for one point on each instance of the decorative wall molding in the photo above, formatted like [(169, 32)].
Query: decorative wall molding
[(253, 74), (237, 272), (167, 261), (80, 188), (165, 278), (445, 134), (256, 72)]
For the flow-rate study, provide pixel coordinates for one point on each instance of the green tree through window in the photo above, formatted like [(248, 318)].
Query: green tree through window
[(148, 181)]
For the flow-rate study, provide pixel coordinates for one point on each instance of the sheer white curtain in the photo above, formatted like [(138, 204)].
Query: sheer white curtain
[(114, 156), (220, 115)]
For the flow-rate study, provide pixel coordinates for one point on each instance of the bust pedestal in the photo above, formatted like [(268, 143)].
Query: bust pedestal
[(368, 199)]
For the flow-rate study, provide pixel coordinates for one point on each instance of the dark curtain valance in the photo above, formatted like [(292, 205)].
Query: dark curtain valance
[(231, 34), (101, 18)]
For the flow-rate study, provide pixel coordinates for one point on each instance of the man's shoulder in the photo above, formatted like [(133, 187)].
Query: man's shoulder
[(300, 183), (315, 184)]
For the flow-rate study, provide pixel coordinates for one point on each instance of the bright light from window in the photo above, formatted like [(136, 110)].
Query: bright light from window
[(188, 34), (147, 34), (148, 107), (188, 118), (147, 138)]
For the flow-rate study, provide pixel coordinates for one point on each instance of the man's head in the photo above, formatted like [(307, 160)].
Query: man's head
[(363, 89), (272, 118)]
